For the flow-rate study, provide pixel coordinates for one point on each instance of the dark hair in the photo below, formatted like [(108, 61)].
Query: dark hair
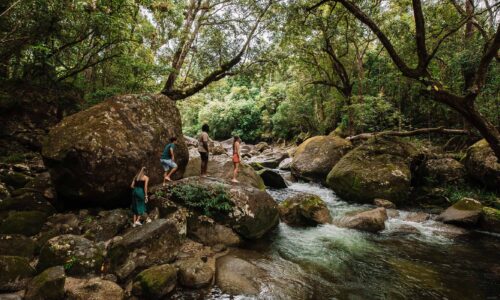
[(173, 139), (236, 139), (205, 128)]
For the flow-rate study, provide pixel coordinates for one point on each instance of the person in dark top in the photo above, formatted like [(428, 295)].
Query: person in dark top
[(203, 149), (167, 160), (139, 196)]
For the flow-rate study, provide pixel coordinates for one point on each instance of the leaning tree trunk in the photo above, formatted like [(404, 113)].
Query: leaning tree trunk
[(485, 128)]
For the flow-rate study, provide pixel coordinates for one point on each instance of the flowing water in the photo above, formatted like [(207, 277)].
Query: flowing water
[(411, 259)]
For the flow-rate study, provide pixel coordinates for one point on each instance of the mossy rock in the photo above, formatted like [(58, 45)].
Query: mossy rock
[(272, 179), (380, 168), (15, 274), (490, 219), (15, 179), (27, 200), (156, 282), (23, 222), (482, 165), (16, 244), (48, 285), (304, 210), (466, 212)]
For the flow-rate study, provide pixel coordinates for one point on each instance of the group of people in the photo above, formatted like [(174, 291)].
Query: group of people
[(140, 182)]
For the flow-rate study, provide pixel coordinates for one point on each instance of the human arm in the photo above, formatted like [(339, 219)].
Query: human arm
[(146, 182), (132, 185), (172, 155), (237, 149)]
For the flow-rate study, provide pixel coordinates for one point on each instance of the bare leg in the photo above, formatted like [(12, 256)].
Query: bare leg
[(235, 171), (170, 174), (165, 178)]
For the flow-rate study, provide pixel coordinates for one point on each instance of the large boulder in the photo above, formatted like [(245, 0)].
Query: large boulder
[(380, 168), (370, 221), (92, 289), (195, 273), (206, 231), (93, 155), (465, 212), (252, 212), (78, 255), (106, 225), (303, 210), (272, 179), (482, 164), (269, 160), (443, 171), (48, 285), (15, 274), (315, 157), (490, 219), (153, 243), (155, 282), (236, 276), (221, 166)]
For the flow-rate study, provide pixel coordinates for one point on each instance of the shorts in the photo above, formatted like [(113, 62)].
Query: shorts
[(236, 158), (204, 156), (167, 164)]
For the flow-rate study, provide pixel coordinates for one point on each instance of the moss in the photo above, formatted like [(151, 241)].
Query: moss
[(23, 222), (15, 179), (47, 285), (17, 245), (468, 204), (491, 213), (14, 269), (157, 281)]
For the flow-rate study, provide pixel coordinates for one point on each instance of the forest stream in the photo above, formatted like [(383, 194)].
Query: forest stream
[(408, 260)]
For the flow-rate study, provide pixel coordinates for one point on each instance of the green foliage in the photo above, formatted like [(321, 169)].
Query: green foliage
[(70, 263), (456, 192), (210, 201)]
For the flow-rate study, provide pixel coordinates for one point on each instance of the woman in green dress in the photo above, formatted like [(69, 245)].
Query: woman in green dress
[(139, 196)]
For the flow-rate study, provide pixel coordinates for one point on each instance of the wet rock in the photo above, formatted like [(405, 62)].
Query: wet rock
[(304, 210), (392, 213), (254, 212), (490, 219), (153, 243), (315, 157), (465, 212), (417, 217), (207, 232), (78, 255), (272, 179), (155, 282), (482, 165), (107, 225), (16, 245), (108, 143), (221, 166), (236, 276), (285, 164), (23, 222), (195, 273), (16, 273), (443, 171), (92, 289), (379, 168), (48, 285), (384, 203), (370, 221)]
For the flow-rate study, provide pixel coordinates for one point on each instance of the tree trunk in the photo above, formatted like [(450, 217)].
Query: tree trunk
[(485, 128)]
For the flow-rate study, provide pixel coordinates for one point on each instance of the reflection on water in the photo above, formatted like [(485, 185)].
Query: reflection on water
[(408, 260)]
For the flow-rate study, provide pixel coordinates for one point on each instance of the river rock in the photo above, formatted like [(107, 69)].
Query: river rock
[(107, 225), (92, 289), (269, 160), (194, 273), (236, 276), (48, 285), (254, 212), (490, 219), (221, 166), (27, 200), (303, 210), (16, 245), (383, 203), (23, 222), (465, 212), (15, 274), (315, 157), (77, 254), (155, 282), (191, 142), (482, 164), (272, 179), (379, 168), (4, 191), (443, 171), (370, 221), (15, 179), (260, 147), (93, 155), (216, 148), (207, 232), (286, 164), (153, 243)]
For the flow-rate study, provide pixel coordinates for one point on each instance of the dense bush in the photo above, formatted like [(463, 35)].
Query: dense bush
[(210, 201)]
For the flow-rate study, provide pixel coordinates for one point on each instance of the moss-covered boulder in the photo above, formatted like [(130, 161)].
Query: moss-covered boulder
[(92, 289), (15, 179), (370, 221), (441, 171), (151, 244), (221, 166), (380, 168), (78, 255), (17, 245), (304, 210), (48, 285), (482, 164), (465, 212), (92, 155), (272, 179), (23, 222), (247, 210), (315, 157), (155, 282), (106, 224), (16, 273), (490, 219)]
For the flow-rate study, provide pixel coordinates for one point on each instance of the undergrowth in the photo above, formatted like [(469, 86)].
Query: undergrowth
[(210, 201)]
